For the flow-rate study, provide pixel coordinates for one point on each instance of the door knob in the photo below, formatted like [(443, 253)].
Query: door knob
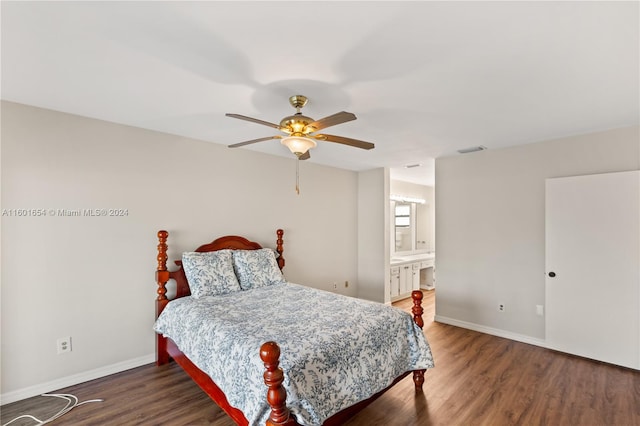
[(552, 274)]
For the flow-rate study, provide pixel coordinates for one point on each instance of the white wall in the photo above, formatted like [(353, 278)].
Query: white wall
[(92, 278), (490, 226)]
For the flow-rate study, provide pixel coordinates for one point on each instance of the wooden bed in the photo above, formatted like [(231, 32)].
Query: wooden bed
[(275, 392)]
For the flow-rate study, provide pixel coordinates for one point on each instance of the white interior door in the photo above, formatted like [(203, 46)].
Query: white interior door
[(593, 249)]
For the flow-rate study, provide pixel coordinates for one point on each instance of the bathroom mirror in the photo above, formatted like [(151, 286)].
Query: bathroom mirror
[(409, 227), (404, 214)]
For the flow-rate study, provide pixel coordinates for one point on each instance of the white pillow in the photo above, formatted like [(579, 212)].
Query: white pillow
[(210, 273), (256, 268)]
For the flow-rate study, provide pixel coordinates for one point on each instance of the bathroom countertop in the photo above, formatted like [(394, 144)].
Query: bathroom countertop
[(398, 260)]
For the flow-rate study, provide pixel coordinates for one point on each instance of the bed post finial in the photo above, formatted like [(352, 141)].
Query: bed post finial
[(416, 295), (162, 275), (273, 378), (279, 248)]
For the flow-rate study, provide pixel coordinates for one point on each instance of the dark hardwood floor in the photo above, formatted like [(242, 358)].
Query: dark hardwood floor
[(478, 380)]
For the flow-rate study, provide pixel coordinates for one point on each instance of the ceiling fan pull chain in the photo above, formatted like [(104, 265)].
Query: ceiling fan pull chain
[(298, 175)]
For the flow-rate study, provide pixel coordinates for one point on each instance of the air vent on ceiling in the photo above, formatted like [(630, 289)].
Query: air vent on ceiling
[(411, 166), (472, 149)]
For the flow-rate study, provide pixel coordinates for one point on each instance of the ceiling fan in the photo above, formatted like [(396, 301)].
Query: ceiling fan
[(301, 130)]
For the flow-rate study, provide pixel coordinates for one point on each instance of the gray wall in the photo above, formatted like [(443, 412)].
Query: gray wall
[(373, 234), (490, 226), (92, 278)]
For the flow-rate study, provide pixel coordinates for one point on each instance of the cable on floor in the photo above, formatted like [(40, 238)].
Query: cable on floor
[(72, 402)]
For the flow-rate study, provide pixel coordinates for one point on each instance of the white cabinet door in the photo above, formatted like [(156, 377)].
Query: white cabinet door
[(395, 282), (415, 276), (405, 279), (593, 266)]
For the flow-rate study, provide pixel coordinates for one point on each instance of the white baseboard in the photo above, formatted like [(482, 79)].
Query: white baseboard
[(493, 331), (63, 382)]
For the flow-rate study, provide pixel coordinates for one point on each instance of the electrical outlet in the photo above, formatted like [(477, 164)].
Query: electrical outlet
[(540, 310), (501, 307), (335, 285), (63, 344)]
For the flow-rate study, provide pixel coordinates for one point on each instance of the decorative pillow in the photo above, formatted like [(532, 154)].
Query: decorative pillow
[(256, 268), (210, 273)]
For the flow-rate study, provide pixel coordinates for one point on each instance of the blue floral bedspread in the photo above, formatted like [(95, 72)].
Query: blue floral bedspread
[(335, 350)]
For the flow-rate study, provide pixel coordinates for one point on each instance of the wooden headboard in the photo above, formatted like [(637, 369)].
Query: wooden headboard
[(233, 242)]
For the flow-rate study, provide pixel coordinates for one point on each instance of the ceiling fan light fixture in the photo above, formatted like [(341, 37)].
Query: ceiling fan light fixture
[(298, 145)]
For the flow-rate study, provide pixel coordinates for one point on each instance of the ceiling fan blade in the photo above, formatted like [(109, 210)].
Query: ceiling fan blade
[(305, 156), (254, 120), (345, 141), (235, 145), (332, 120)]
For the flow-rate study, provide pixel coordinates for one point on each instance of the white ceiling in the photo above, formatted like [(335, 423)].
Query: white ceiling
[(424, 78)]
